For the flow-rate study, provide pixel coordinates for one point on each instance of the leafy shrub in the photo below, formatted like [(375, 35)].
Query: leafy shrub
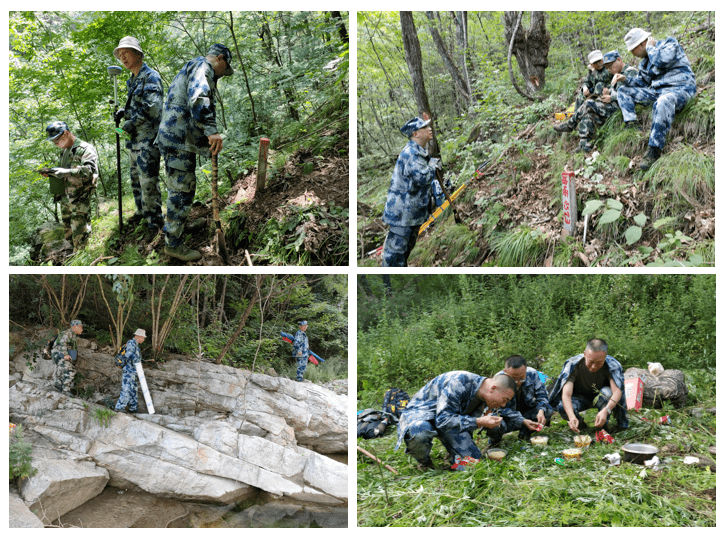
[(20, 454)]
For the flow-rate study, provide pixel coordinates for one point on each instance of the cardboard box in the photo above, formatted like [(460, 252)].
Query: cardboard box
[(634, 393)]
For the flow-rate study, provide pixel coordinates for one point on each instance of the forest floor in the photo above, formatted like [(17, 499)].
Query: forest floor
[(301, 217)]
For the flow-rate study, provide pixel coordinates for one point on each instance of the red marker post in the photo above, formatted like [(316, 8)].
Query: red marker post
[(262, 164), (569, 202)]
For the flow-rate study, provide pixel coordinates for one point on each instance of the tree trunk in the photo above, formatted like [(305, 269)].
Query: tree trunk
[(412, 50), (243, 318), (530, 47), (459, 82)]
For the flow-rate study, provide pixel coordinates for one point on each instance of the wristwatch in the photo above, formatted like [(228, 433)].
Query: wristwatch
[(609, 411)]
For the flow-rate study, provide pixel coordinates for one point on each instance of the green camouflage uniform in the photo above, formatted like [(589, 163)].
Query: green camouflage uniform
[(64, 370), (81, 164)]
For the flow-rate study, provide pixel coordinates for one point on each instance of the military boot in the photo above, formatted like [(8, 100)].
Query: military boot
[(564, 127), (633, 125), (650, 158), (182, 252), (584, 147)]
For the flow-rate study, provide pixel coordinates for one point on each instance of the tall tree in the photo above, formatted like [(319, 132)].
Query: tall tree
[(461, 85), (412, 49)]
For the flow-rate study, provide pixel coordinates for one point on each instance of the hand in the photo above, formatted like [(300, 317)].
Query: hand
[(488, 421), (606, 91), (541, 418), (572, 424), (118, 115), (601, 417), (606, 98), (617, 78), (215, 143), (531, 425), (435, 163), (66, 357), (585, 91)]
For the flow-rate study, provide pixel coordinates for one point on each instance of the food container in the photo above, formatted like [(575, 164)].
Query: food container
[(496, 454), (582, 441), (572, 454), (539, 440), (638, 453)]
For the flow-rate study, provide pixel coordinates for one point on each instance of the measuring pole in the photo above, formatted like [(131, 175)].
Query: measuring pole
[(262, 164), (113, 72), (569, 202)]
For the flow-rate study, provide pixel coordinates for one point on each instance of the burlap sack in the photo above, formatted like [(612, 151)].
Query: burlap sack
[(668, 386)]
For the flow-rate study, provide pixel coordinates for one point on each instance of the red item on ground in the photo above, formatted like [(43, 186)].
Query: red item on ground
[(603, 436), (634, 393), (461, 463)]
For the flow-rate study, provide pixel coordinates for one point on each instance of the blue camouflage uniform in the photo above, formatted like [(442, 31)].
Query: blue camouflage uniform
[(130, 379), (529, 398), (666, 81), (142, 116), (301, 352), (189, 117), (407, 206), (581, 403), (447, 408)]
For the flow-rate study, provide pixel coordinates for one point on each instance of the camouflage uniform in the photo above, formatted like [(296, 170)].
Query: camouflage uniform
[(65, 371), (535, 398), (142, 116), (79, 168), (189, 117), (581, 403), (301, 352), (446, 408), (666, 81), (407, 206), (593, 113), (596, 81), (130, 379)]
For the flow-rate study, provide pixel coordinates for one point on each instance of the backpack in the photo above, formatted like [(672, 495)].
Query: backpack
[(372, 423), (47, 352), (120, 359), (395, 401)]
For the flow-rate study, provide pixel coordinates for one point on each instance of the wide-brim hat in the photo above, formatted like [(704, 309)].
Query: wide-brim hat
[(140, 332), (635, 37), (217, 49), (594, 56), (611, 56), (413, 125), (55, 129), (128, 42)]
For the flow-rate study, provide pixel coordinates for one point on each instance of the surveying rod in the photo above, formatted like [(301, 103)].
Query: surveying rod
[(113, 72)]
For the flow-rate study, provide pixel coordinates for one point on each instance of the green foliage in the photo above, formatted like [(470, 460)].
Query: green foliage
[(20, 455), (103, 415), (521, 247)]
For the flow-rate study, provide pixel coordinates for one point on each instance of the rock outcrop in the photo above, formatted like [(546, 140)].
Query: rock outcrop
[(219, 435)]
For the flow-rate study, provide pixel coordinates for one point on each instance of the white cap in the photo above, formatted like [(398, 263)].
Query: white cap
[(594, 56), (635, 37), (140, 332)]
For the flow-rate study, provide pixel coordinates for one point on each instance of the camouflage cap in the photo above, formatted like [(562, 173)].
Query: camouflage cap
[(303, 323), (413, 125), (128, 42), (216, 50), (635, 37), (55, 129), (611, 56), (76, 322)]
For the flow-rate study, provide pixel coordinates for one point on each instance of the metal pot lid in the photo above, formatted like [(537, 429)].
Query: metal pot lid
[(640, 449)]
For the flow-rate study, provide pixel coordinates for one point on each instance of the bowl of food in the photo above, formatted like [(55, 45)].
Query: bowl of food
[(638, 453), (582, 441), (496, 454), (572, 454), (539, 440)]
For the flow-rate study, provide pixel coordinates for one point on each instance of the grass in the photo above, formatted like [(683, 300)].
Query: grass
[(454, 242), (528, 488), (521, 247)]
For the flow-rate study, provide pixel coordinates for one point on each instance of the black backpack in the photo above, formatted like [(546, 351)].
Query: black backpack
[(395, 401), (120, 359), (372, 423)]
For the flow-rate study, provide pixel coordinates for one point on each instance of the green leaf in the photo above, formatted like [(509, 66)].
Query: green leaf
[(614, 204), (608, 216), (696, 260), (663, 221), (640, 219), (633, 234), (591, 206)]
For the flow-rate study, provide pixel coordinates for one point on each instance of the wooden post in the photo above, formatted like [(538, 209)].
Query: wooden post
[(262, 164), (569, 203)]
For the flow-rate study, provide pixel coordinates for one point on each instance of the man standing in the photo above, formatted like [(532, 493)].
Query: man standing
[(594, 375), (189, 128), (78, 169), (142, 115), (664, 79), (130, 379), (301, 350), (65, 372), (593, 88), (451, 407), (529, 408), (408, 196)]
